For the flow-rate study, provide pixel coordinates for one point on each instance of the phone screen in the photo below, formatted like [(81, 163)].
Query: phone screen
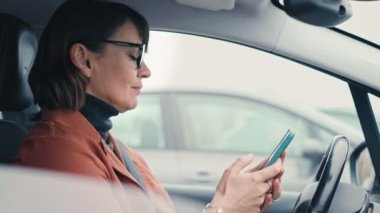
[(280, 148)]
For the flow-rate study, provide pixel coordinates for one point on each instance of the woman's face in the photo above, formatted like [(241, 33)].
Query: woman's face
[(115, 78)]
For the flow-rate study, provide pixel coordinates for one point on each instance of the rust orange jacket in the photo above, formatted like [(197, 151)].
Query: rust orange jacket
[(65, 141)]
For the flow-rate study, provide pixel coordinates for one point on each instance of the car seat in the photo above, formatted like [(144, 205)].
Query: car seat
[(18, 47)]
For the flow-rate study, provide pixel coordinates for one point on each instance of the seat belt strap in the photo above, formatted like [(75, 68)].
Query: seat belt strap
[(130, 165)]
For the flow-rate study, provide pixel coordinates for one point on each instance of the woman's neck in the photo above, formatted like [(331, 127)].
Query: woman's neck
[(98, 113)]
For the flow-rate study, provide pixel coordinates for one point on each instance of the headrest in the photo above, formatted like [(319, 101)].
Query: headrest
[(18, 47)]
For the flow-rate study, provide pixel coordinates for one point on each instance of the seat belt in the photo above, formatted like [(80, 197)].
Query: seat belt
[(132, 169), (130, 165)]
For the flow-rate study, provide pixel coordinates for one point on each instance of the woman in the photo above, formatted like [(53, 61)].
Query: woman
[(89, 67)]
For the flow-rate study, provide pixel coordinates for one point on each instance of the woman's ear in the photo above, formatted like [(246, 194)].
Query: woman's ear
[(80, 57)]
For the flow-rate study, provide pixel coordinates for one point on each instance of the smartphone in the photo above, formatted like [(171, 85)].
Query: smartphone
[(280, 148)]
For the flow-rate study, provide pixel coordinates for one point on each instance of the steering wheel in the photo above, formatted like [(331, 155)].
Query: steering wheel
[(327, 177)]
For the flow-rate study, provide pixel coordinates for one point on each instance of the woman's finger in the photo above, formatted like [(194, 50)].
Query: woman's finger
[(267, 202), (268, 173), (259, 166), (263, 188), (234, 169), (240, 164), (276, 187), (283, 156), (279, 176)]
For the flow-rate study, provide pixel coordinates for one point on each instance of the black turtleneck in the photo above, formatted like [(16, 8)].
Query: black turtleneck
[(98, 113)]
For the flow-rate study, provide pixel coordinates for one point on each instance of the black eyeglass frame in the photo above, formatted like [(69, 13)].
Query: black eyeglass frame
[(142, 49)]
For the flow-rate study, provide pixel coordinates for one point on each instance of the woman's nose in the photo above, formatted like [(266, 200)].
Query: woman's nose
[(144, 71)]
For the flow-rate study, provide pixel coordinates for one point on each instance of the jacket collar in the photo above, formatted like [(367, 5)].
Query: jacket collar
[(72, 119)]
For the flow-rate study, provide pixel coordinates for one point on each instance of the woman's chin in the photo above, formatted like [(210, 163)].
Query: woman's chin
[(128, 106)]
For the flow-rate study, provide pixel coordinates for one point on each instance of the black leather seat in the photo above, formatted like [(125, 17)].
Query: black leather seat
[(18, 46)]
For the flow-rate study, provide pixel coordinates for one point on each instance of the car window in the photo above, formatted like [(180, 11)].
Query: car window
[(141, 127), (227, 123), (190, 63), (347, 116), (375, 103)]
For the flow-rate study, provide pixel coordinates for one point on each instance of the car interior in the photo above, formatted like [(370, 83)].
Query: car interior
[(273, 24)]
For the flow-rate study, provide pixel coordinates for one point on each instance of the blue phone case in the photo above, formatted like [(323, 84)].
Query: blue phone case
[(280, 148)]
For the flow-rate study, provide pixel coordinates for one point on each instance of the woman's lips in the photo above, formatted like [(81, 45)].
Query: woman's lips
[(137, 89)]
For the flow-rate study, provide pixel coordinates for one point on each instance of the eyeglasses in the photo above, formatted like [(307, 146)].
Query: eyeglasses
[(141, 53)]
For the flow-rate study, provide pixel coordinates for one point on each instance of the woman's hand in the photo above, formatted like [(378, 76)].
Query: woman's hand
[(249, 191), (276, 183)]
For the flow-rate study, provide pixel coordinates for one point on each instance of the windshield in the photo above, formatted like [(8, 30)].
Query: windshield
[(363, 21)]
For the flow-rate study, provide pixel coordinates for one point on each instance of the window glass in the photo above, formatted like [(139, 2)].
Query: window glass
[(222, 98), (228, 123), (141, 127), (375, 103), (195, 63), (347, 115)]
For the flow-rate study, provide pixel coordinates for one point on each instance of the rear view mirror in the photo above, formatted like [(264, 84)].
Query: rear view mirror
[(326, 13)]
